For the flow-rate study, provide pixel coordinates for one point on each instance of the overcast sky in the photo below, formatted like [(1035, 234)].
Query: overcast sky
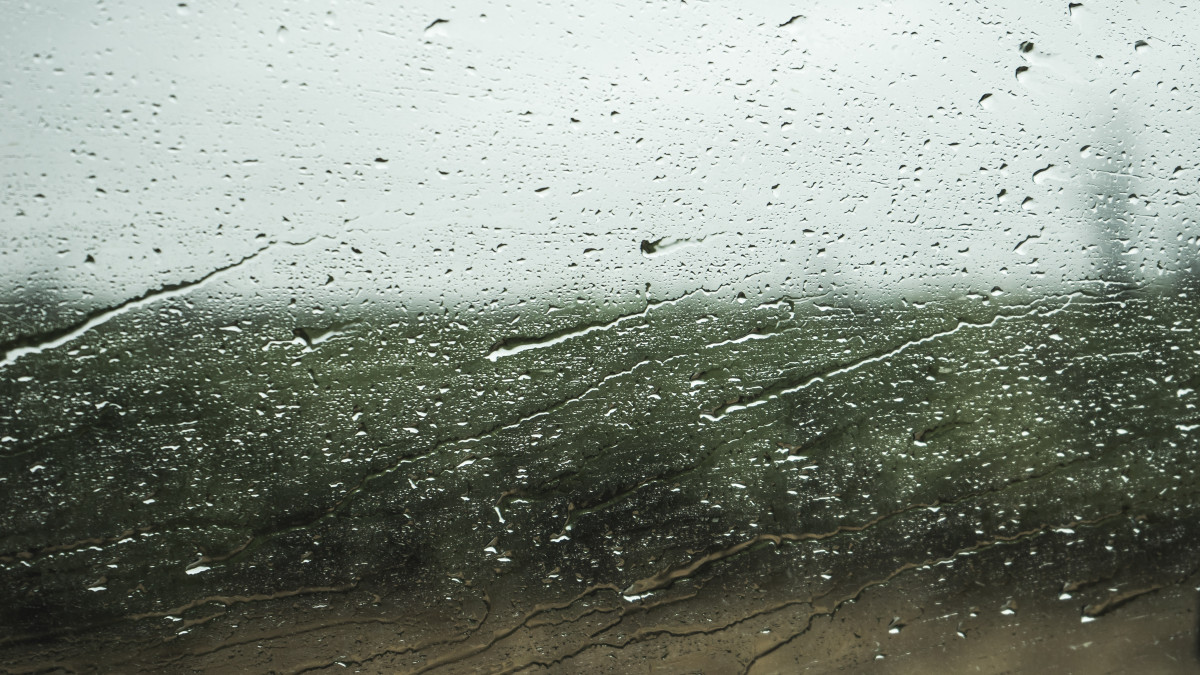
[(472, 153)]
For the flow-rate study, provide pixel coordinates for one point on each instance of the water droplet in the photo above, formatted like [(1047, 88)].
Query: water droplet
[(1041, 175)]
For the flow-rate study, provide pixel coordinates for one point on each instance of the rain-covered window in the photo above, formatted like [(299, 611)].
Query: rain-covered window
[(618, 337)]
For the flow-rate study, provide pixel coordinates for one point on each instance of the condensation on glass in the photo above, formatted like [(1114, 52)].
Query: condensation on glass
[(599, 337)]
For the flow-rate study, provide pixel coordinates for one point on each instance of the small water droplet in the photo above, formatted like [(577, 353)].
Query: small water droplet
[(1041, 175)]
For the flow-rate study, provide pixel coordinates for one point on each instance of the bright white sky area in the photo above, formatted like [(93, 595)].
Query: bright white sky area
[(478, 154)]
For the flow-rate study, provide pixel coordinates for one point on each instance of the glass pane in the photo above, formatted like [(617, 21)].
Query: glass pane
[(663, 337)]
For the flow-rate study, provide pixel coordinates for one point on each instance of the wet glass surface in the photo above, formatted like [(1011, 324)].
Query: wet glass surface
[(665, 337)]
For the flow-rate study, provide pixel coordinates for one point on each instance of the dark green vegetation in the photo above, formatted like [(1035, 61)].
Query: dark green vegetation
[(389, 497)]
